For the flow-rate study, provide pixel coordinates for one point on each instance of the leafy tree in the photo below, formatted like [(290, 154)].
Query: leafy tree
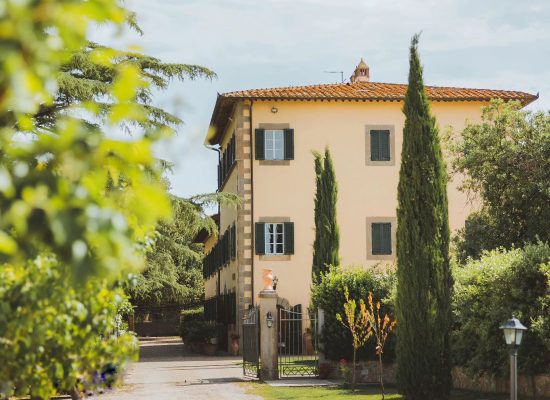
[(327, 235), (505, 159), (173, 272), (84, 78), (424, 277), (381, 328), (357, 321)]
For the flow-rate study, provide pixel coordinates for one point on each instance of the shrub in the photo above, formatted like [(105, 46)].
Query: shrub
[(55, 337), (199, 331), (329, 295), (487, 292)]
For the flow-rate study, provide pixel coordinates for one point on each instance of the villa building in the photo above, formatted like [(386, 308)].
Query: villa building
[(265, 139)]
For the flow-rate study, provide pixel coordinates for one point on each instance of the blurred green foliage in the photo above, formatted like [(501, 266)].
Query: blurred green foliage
[(54, 336), (77, 209)]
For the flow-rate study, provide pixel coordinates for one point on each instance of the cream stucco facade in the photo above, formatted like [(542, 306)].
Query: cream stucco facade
[(286, 189), (283, 190), (364, 191)]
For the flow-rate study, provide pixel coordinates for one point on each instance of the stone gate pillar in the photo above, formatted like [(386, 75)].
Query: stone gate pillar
[(268, 331), (320, 326)]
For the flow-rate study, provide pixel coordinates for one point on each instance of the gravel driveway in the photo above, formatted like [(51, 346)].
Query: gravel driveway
[(165, 372)]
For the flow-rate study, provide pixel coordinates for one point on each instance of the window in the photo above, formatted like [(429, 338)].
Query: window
[(274, 144), (274, 239), (380, 145), (381, 238)]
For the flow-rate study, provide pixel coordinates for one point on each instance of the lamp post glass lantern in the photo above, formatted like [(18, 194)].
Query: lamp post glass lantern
[(513, 333)]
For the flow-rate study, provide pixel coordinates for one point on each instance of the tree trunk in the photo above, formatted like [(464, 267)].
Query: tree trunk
[(353, 371), (381, 372)]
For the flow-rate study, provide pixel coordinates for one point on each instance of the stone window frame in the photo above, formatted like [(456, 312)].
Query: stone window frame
[(377, 220), (274, 257), (375, 127), (272, 126)]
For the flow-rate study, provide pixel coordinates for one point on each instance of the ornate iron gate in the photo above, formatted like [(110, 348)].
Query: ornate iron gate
[(251, 343), (297, 347)]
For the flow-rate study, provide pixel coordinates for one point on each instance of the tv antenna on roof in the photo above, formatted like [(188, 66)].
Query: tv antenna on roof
[(336, 72)]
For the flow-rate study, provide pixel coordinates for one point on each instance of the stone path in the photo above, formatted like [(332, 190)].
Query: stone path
[(164, 372)]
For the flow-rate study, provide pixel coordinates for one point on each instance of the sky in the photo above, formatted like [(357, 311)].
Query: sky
[(496, 44)]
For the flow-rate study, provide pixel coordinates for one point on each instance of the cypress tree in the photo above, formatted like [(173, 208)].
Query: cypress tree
[(327, 235), (424, 278)]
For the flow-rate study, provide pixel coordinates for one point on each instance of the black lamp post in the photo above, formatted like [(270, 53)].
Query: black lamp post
[(513, 333)]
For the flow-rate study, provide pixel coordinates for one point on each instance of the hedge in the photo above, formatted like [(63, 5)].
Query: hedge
[(329, 296), (487, 292), (192, 314)]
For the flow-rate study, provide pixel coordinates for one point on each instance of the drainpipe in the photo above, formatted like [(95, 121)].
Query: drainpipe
[(218, 150), (252, 228)]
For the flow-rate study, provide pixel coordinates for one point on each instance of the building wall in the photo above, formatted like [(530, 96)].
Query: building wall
[(228, 216), (286, 191), (237, 276)]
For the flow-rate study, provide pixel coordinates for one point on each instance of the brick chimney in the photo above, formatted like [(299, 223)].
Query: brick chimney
[(361, 73)]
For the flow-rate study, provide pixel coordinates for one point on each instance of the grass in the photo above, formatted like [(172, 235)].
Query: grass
[(336, 393)]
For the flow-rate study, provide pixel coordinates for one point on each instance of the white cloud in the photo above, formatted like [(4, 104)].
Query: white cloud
[(250, 43)]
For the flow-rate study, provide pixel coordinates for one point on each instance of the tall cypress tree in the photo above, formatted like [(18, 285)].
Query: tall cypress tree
[(327, 235), (424, 278)]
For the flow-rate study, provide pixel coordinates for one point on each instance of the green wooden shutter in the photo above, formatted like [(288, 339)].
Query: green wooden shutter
[(376, 236), (260, 237), (233, 242), (260, 144), (384, 145), (374, 146), (289, 144), (386, 238), (288, 232)]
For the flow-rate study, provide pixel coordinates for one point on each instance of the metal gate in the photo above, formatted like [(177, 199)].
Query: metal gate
[(297, 347), (251, 343)]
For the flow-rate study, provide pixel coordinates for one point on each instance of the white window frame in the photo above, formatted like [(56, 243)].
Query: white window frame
[(275, 238), (274, 144)]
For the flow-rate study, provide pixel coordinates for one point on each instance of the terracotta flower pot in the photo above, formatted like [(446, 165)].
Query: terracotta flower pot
[(234, 346)]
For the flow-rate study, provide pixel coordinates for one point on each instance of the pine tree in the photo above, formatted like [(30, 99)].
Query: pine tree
[(83, 78), (424, 278), (327, 235)]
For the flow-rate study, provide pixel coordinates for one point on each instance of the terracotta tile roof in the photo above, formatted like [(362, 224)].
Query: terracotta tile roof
[(375, 91), (359, 91)]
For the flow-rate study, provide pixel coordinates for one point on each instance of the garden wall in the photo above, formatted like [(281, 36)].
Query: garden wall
[(368, 372), (537, 386)]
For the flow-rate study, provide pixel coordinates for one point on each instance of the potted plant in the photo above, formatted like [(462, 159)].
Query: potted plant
[(209, 333), (235, 344)]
